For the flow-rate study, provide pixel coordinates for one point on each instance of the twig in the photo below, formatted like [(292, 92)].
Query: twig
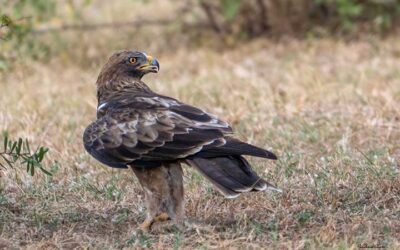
[(10, 21), (366, 157), (211, 17), (97, 26), (264, 15)]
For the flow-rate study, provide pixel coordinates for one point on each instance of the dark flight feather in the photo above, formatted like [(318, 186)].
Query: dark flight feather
[(232, 175)]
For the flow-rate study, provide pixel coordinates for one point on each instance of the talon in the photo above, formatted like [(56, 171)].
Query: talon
[(145, 226), (162, 217)]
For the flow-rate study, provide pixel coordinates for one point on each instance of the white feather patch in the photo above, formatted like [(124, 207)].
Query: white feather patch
[(101, 106), (274, 189), (231, 196)]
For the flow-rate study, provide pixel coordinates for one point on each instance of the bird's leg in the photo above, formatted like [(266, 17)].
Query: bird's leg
[(154, 183), (175, 183), (163, 188)]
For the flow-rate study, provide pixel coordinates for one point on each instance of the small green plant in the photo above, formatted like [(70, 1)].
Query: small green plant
[(248, 19), (230, 8), (304, 216), (381, 14), (19, 21), (19, 152)]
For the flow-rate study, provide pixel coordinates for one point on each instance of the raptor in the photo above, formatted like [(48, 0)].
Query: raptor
[(154, 134)]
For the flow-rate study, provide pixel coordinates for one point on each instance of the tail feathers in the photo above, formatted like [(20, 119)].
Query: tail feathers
[(236, 147), (231, 175)]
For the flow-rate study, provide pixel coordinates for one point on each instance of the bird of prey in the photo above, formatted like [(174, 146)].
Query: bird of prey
[(153, 134)]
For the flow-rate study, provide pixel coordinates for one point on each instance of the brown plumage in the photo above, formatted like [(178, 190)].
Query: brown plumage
[(153, 134)]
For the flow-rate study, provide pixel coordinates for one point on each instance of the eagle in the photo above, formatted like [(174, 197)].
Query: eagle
[(154, 134)]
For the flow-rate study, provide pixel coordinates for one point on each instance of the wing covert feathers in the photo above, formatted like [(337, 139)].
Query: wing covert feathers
[(151, 129)]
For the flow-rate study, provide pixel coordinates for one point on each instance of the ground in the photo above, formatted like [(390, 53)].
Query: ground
[(328, 108)]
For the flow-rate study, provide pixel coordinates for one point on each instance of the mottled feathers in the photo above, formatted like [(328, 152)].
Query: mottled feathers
[(147, 130)]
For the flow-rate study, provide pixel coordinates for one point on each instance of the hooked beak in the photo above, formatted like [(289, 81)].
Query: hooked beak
[(152, 65)]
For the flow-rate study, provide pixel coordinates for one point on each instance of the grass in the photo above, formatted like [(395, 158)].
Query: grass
[(328, 108)]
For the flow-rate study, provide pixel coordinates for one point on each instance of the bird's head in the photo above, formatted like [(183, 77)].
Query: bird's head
[(128, 64)]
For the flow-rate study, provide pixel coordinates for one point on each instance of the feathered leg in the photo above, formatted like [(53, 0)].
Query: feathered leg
[(163, 188)]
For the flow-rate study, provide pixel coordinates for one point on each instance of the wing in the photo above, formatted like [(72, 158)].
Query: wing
[(150, 129)]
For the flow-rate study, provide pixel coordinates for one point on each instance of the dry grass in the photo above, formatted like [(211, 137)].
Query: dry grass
[(329, 109)]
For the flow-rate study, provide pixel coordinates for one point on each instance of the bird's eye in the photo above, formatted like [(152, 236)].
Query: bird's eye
[(132, 60)]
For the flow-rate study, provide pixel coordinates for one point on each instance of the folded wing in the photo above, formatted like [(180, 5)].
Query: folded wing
[(150, 129)]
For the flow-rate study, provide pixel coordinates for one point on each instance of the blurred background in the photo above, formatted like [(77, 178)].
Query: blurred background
[(85, 31), (315, 81)]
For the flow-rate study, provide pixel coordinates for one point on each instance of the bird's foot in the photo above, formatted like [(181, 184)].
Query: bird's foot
[(163, 223), (147, 224), (161, 217), (166, 226)]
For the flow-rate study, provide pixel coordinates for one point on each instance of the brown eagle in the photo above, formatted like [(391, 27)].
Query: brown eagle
[(153, 134)]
